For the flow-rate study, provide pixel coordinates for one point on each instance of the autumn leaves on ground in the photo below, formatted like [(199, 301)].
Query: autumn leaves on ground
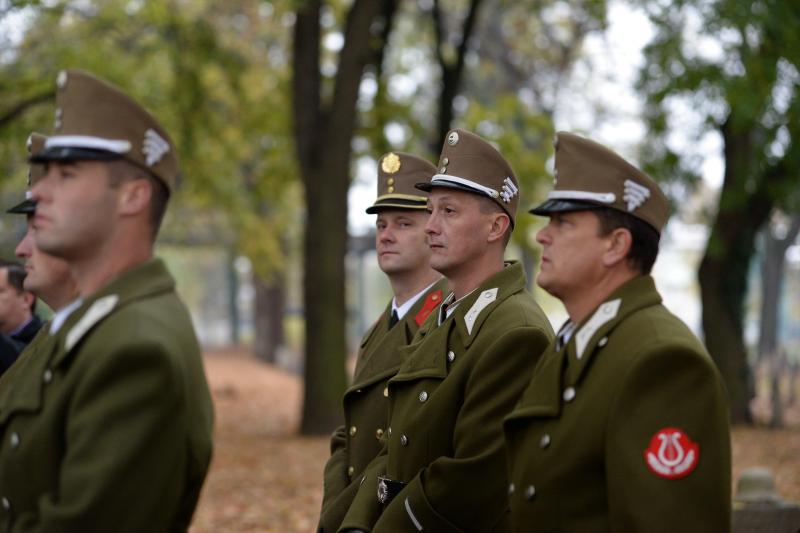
[(265, 478)]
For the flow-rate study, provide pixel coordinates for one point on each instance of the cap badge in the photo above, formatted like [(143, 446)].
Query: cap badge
[(452, 139), (57, 122), (672, 454), (509, 190), (635, 195), (390, 163), (154, 147)]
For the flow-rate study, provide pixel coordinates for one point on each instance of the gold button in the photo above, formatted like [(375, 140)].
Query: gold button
[(435, 297), (353, 430), (386, 392), (390, 190), (390, 181), (350, 471), (378, 433)]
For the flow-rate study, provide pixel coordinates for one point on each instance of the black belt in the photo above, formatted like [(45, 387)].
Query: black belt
[(388, 489)]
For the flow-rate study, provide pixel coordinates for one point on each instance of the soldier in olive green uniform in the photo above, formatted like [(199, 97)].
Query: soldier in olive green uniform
[(109, 428), (624, 426), (403, 254), (443, 468)]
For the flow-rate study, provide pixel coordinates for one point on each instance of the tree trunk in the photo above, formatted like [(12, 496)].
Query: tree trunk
[(268, 322), (723, 272), (323, 136)]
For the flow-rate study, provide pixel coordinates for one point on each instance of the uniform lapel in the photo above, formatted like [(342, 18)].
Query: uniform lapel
[(542, 398), (23, 390), (594, 333)]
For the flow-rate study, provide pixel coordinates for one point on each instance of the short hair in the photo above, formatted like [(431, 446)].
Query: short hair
[(121, 170), (488, 207), (644, 237), (16, 277)]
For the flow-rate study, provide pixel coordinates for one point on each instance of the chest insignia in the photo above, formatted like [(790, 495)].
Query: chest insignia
[(433, 299), (604, 314), (486, 297), (672, 454), (99, 310)]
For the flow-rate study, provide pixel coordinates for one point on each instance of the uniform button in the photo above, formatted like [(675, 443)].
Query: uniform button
[(451, 356), (530, 492), (510, 489), (353, 430), (47, 377), (569, 394), (14, 440), (442, 170), (602, 342), (445, 161), (350, 471), (386, 392), (544, 442), (6, 504), (378, 433), (423, 396), (389, 431), (403, 440)]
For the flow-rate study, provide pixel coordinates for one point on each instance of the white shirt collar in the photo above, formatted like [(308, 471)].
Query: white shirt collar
[(60, 316), (406, 307)]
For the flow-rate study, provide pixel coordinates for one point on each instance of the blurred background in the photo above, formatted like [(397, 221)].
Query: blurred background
[(281, 109)]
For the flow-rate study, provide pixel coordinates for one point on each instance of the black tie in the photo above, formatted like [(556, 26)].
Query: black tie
[(394, 319)]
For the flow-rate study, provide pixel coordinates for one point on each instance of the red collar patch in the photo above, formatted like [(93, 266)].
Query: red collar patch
[(431, 302), (672, 454)]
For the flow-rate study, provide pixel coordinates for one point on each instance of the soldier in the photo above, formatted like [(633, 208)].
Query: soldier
[(403, 255), (18, 318), (111, 430), (624, 426), (443, 467)]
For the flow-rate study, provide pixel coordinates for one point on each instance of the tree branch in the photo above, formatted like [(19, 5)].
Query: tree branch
[(9, 116)]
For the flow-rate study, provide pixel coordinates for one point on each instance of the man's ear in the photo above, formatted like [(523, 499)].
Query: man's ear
[(134, 196), (500, 223), (619, 243)]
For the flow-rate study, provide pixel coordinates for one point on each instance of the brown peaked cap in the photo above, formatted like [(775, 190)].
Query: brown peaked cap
[(95, 120), (471, 164), (397, 174), (589, 175), (35, 144)]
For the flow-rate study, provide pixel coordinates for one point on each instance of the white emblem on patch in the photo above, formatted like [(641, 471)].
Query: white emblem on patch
[(154, 147), (486, 297), (635, 194), (509, 190), (99, 310), (604, 314)]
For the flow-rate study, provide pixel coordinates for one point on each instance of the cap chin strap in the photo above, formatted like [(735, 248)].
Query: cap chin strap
[(86, 141), (602, 197), (447, 178)]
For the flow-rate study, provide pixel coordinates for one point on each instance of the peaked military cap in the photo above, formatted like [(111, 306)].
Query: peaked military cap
[(97, 121), (471, 164), (35, 144), (397, 174), (590, 176)]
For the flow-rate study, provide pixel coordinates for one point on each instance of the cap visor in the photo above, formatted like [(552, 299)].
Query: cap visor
[(562, 206), (66, 153), (23, 208), (427, 186), (395, 203)]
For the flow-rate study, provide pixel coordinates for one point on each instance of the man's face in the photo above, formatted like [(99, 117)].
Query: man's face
[(457, 229), (75, 208), (400, 240), (45, 273), (572, 253), (14, 304)]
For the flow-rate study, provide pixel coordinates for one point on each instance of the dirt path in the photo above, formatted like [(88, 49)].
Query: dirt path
[(266, 479)]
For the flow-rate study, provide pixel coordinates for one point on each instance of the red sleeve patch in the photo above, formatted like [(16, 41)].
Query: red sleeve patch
[(431, 302), (672, 454)]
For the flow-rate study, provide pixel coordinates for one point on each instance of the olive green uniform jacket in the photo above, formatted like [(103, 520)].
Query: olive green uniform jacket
[(366, 405), (106, 425), (446, 405), (593, 443)]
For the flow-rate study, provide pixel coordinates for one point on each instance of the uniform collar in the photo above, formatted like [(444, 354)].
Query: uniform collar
[(408, 304)]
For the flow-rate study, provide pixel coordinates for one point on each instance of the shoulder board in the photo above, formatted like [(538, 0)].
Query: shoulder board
[(486, 297), (433, 299), (99, 310)]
